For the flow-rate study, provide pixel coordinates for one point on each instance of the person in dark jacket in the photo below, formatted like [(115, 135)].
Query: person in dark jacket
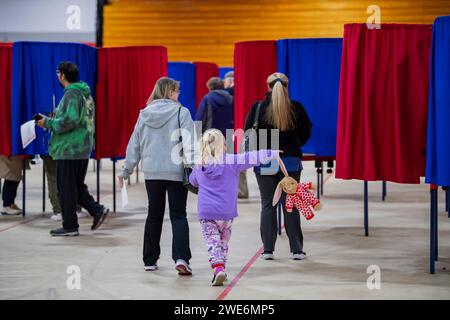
[(278, 111), (216, 108), (228, 82)]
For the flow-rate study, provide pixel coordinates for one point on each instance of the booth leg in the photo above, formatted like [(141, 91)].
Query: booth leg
[(436, 229), (137, 174), (384, 191), (330, 166), (114, 185), (129, 181), (43, 188), (318, 185), (447, 201), (321, 178), (279, 209), (366, 208), (433, 218), (24, 181), (98, 181), (317, 165)]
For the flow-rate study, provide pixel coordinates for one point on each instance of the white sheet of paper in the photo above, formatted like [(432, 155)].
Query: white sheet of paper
[(124, 195), (28, 133)]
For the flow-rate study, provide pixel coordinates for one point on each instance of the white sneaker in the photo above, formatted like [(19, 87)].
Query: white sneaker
[(82, 214), (298, 256), (183, 268), (56, 217), (11, 211), (151, 268), (267, 256)]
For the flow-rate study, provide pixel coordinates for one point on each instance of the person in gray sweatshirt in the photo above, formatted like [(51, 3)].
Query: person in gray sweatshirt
[(154, 142)]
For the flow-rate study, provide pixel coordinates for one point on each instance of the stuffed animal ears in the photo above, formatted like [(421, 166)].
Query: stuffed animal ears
[(283, 168), (277, 194)]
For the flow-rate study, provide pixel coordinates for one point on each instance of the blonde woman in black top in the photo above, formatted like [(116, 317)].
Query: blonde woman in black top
[(278, 111)]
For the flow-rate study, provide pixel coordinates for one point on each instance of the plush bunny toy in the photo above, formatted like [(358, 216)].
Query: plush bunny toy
[(297, 195)]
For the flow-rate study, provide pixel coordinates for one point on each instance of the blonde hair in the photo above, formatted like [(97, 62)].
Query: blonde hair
[(280, 113), (162, 89), (212, 146)]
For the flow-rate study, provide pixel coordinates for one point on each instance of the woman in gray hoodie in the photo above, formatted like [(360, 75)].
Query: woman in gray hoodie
[(155, 137)]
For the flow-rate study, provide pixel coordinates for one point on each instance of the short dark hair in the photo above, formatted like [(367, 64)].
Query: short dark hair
[(214, 83), (70, 71), (229, 74)]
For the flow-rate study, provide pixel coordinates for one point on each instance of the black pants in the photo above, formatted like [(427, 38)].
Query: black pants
[(9, 192), (267, 185), (156, 191), (70, 175)]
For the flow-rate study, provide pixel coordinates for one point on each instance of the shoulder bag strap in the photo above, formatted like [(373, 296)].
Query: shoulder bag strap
[(255, 122)]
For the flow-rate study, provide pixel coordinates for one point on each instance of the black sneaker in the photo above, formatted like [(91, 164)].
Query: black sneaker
[(100, 218), (61, 232), (298, 255)]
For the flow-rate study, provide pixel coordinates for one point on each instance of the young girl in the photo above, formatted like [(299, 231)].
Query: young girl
[(217, 178)]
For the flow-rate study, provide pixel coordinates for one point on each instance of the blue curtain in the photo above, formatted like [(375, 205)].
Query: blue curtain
[(313, 68), (224, 70), (185, 73), (34, 82), (438, 136)]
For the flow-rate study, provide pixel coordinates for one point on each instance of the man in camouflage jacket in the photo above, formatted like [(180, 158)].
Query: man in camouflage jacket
[(72, 139)]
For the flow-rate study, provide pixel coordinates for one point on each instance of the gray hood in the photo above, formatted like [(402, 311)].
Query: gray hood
[(159, 112), (152, 141)]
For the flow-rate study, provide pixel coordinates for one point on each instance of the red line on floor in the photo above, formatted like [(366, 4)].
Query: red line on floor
[(19, 223), (236, 279), (328, 178)]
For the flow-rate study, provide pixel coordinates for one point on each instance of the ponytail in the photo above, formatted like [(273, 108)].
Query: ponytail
[(280, 113)]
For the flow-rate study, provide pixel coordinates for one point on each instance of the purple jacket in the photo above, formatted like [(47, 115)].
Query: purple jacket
[(218, 184)]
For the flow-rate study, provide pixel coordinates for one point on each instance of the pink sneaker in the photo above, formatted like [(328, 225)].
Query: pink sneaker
[(219, 277)]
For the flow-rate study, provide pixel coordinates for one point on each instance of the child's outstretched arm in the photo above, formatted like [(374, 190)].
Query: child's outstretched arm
[(244, 161)]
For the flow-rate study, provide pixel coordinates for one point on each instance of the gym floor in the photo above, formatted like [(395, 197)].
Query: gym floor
[(34, 265)]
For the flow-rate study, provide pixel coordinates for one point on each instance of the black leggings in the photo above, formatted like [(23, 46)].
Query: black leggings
[(267, 185), (156, 192)]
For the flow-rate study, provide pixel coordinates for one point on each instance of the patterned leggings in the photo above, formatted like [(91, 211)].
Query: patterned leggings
[(217, 234)]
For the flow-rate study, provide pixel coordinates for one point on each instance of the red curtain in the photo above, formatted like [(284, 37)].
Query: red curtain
[(203, 72), (5, 98), (254, 61), (126, 76), (382, 118)]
